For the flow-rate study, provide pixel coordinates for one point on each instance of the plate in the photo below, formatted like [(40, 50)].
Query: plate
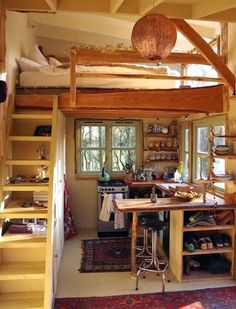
[(222, 177)]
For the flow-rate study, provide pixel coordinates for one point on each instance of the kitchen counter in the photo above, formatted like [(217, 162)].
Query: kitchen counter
[(172, 205)]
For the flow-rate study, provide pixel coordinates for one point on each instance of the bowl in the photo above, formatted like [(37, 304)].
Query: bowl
[(187, 196)]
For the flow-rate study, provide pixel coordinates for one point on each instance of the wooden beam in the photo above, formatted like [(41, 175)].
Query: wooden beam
[(147, 5), (115, 5), (148, 76), (201, 99), (2, 39), (120, 114), (206, 51), (98, 57), (26, 5), (206, 8), (146, 102), (52, 5), (102, 6)]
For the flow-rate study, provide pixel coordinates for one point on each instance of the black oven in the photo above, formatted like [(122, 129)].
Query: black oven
[(114, 187)]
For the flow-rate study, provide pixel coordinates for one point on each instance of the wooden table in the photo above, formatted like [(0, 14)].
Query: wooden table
[(163, 204)]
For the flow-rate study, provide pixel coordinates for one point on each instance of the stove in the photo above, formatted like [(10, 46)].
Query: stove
[(113, 185)]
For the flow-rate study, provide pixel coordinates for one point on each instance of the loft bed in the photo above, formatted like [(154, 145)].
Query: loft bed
[(120, 82)]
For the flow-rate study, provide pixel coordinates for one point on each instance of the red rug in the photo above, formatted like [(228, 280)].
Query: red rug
[(218, 298), (106, 254)]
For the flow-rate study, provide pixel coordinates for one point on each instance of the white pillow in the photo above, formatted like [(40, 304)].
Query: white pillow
[(28, 65), (54, 61), (36, 55)]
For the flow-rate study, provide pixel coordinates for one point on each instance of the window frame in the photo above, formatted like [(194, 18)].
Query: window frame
[(186, 126), (108, 144), (207, 122)]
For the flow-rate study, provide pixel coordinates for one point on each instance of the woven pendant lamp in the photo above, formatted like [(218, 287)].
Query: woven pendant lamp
[(154, 36)]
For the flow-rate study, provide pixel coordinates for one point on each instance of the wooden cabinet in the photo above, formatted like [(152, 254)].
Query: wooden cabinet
[(26, 258), (178, 253)]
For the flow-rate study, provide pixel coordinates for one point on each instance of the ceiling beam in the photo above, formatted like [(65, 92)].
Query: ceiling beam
[(205, 8), (147, 5), (115, 5), (101, 6), (52, 5), (98, 57), (206, 51), (26, 5)]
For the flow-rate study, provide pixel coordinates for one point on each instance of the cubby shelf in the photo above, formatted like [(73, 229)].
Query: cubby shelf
[(209, 251), (208, 228)]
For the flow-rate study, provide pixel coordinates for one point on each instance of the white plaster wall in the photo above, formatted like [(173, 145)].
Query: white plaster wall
[(19, 40)]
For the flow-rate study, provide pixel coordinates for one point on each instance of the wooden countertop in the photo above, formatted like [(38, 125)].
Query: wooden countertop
[(173, 203)]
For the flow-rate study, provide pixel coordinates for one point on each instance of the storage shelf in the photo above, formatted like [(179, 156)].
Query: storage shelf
[(160, 135), (163, 149), (22, 270), (22, 241), (32, 116), (208, 228), (27, 162), (26, 300), (204, 275), (26, 187), (17, 138), (209, 251), (164, 161)]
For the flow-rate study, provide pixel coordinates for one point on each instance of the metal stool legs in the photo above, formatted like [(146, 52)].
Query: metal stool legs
[(144, 250), (153, 264)]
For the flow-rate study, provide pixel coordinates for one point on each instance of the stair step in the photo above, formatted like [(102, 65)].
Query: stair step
[(22, 270), (17, 138), (32, 116), (26, 187), (27, 162), (21, 300), (14, 208), (22, 241)]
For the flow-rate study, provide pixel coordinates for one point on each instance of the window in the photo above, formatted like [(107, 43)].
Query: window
[(202, 150), (106, 143), (185, 151)]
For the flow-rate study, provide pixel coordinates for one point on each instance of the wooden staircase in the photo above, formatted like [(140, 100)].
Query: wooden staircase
[(26, 259)]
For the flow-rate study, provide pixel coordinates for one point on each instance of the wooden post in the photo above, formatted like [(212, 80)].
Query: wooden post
[(73, 77), (133, 245)]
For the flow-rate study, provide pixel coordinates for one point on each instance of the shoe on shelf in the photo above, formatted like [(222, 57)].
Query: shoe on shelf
[(189, 246), (209, 243), (218, 239), (202, 243), (195, 265), (226, 240)]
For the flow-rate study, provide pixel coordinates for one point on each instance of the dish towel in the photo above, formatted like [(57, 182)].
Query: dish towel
[(119, 216), (106, 208)]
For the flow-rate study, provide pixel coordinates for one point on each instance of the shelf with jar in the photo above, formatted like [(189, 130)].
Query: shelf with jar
[(220, 151)]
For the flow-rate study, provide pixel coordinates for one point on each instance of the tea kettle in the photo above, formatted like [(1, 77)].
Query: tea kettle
[(104, 176)]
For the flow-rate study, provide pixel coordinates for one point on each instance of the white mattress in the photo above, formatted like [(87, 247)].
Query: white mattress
[(44, 78)]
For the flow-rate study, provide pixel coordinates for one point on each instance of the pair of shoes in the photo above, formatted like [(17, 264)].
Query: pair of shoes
[(222, 240), (205, 243), (218, 239), (224, 217)]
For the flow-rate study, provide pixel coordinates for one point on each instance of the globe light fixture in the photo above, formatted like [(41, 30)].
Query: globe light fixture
[(154, 36)]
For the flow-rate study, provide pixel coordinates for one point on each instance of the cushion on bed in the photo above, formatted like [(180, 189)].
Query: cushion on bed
[(36, 55), (28, 65), (54, 61)]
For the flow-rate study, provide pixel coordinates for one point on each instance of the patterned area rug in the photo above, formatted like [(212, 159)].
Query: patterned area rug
[(106, 254), (219, 298)]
